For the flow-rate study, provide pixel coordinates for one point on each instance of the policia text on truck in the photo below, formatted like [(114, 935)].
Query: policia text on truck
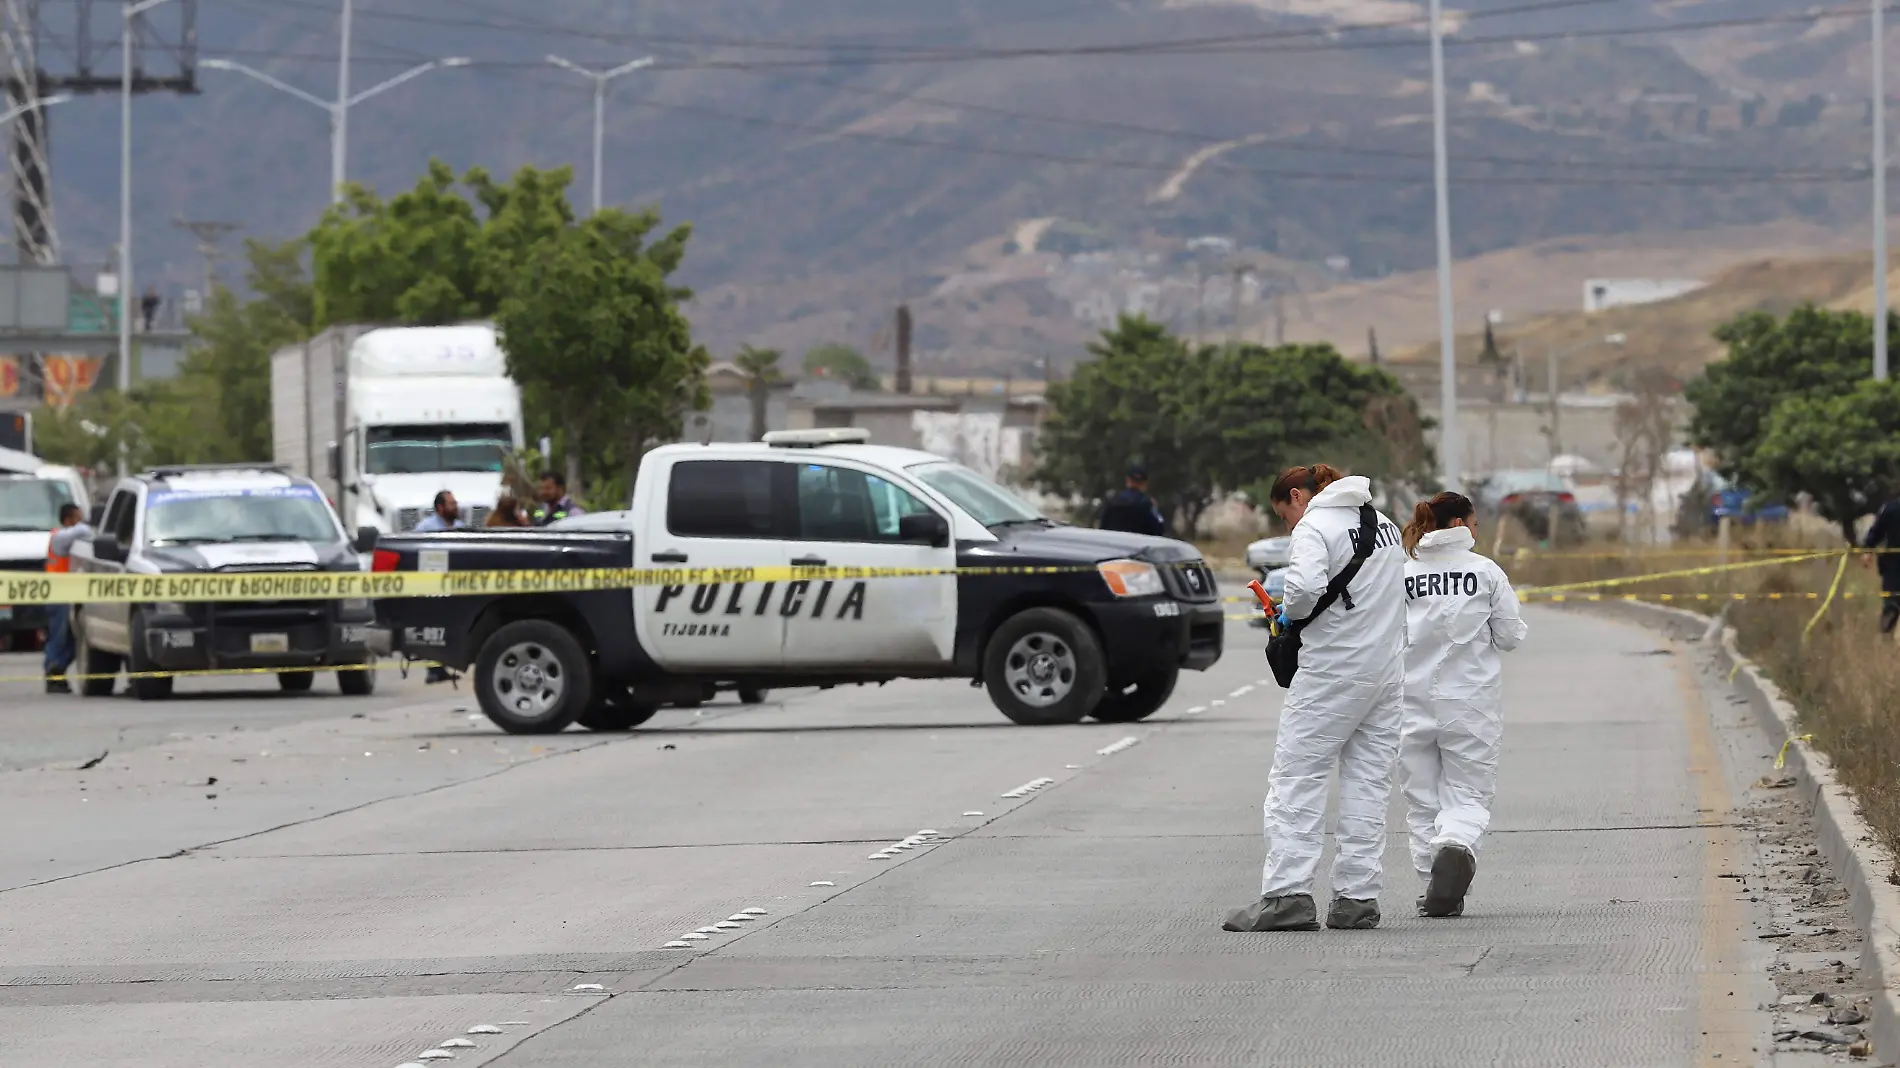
[(776, 545)]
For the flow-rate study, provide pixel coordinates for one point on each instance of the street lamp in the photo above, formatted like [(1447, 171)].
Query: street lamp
[(132, 10), (1448, 443), (1553, 356), (43, 102), (339, 108), (600, 79)]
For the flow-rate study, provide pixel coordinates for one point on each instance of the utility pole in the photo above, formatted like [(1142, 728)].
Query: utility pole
[(902, 332), (209, 234), (1447, 342), (1200, 304), (1880, 189), (1556, 443)]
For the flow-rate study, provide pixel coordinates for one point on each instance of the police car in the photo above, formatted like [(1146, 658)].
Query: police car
[(1058, 622), (222, 519)]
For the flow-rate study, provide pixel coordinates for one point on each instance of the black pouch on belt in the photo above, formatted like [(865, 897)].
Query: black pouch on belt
[(1283, 649)]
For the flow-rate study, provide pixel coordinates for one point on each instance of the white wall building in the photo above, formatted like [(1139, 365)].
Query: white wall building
[(1601, 293)]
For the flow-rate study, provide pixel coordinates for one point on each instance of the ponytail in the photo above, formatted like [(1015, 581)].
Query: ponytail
[(1311, 479), (1435, 514)]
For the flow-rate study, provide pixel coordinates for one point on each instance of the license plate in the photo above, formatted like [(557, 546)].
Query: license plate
[(177, 639), (270, 643), (1167, 608)]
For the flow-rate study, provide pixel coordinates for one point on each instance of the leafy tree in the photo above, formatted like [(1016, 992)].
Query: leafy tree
[(1842, 450), (760, 367), (841, 362), (594, 335), (1811, 353)]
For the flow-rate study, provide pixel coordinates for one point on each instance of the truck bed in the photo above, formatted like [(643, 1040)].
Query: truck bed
[(418, 625)]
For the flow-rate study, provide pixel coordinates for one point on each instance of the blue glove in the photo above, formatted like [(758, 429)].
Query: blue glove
[(1280, 616)]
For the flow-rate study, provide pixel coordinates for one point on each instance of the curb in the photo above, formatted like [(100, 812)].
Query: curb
[(1843, 838)]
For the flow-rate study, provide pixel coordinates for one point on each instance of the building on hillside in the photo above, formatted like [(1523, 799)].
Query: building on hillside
[(1601, 293)]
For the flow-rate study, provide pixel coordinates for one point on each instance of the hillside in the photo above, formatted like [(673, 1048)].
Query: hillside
[(837, 156), (1674, 335)]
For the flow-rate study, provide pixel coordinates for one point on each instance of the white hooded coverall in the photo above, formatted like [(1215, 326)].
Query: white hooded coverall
[(1344, 705), (1460, 614)]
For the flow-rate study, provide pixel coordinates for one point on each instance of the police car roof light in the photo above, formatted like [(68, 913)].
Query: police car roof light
[(175, 470), (811, 439)]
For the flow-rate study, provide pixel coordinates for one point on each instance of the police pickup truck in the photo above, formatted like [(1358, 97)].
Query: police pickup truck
[(1058, 622)]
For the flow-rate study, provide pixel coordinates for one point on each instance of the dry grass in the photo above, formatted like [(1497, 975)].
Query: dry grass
[(1844, 679)]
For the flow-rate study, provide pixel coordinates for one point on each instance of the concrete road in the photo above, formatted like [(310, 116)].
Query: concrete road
[(357, 892)]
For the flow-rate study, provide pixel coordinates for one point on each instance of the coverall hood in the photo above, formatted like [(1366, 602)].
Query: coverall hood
[(1448, 540), (1349, 492)]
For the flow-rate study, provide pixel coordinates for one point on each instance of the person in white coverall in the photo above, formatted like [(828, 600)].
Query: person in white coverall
[(1460, 614), (1343, 708)]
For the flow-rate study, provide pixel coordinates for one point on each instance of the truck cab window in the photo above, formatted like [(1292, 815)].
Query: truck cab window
[(124, 517), (840, 504), (721, 499), (403, 450), (31, 504)]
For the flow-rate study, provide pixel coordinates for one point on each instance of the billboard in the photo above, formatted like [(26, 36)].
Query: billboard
[(65, 378), (9, 377)]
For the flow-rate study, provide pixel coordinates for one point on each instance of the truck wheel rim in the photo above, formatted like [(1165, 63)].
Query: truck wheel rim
[(529, 681), (1040, 669)]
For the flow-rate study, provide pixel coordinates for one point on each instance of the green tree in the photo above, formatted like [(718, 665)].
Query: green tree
[(760, 367), (1842, 450), (1811, 353), (842, 363), (595, 337)]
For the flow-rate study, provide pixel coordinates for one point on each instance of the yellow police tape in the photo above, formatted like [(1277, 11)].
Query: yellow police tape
[(30, 588), (1686, 572)]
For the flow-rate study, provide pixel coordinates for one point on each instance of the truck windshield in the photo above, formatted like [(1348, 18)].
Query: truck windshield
[(207, 517), (985, 501), (420, 450), (31, 503)]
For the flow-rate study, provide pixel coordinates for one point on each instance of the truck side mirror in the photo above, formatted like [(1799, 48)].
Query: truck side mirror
[(107, 547), (927, 529), (336, 462), (366, 539)]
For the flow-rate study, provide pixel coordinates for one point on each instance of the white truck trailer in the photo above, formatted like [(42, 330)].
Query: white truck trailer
[(384, 418)]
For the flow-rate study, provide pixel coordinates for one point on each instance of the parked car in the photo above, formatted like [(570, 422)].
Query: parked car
[(1268, 553), (1527, 495), (1727, 500)]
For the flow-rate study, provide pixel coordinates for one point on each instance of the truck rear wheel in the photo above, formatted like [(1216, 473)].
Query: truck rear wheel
[(614, 709), (147, 685), (357, 681), (1138, 701), (532, 677), (1044, 666)]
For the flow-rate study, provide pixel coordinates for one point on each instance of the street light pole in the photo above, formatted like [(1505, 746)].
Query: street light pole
[(340, 114), (1448, 443), (600, 80), (131, 12), (338, 109), (1880, 190)]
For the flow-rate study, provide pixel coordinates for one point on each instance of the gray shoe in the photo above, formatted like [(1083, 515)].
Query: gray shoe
[(1459, 911), (1347, 914), (1453, 868), (1294, 912)]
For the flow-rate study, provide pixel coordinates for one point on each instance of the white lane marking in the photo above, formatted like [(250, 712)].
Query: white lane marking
[(1030, 787), (1242, 692), (878, 856), (740, 917), (1115, 747), (694, 936), (458, 1043), (1216, 703), (1195, 711), (973, 813), (484, 1029), (435, 1055), (754, 911), (725, 926), (824, 882), (1263, 682), (587, 986), (676, 944)]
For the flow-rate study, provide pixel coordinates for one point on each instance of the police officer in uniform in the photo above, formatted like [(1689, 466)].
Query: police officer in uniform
[(555, 503), (1132, 510)]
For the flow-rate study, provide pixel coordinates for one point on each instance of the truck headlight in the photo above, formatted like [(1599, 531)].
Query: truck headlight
[(1131, 578), (169, 608)]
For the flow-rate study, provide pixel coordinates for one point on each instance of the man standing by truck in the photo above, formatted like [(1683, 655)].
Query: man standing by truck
[(555, 503), (59, 617), (1132, 510)]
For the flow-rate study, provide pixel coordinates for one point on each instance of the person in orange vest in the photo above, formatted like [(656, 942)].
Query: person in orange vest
[(59, 617)]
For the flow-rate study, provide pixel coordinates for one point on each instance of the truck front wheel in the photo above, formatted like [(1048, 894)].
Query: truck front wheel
[(1143, 698), (1044, 666), (532, 677)]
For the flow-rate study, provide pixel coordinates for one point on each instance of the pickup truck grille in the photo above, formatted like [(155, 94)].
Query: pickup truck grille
[(1190, 581)]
